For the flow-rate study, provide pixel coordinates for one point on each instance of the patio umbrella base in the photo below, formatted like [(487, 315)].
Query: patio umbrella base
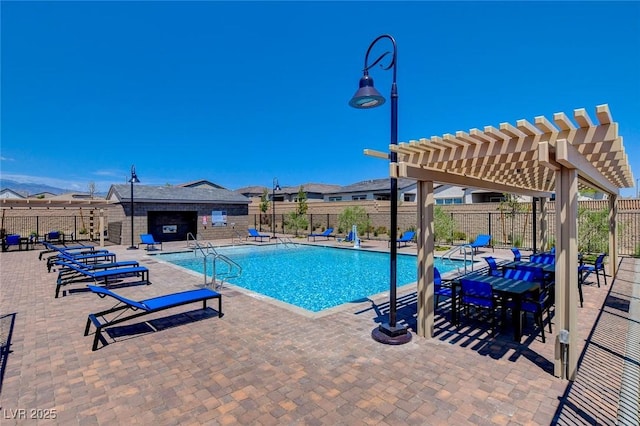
[(388, 335)]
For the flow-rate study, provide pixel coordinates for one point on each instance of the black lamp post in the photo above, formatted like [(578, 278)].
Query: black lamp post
[(368, 97), (273, 206), (134, 179)]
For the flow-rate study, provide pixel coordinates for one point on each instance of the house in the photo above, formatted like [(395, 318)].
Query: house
[(171, 213), (10, 194), (373, 189), (201, 184)]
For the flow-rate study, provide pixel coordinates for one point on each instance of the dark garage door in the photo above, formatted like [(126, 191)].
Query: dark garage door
[(172, 226)]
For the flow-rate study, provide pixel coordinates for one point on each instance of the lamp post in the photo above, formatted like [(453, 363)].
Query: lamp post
[(273, 206), (134, 179), (368, 97)]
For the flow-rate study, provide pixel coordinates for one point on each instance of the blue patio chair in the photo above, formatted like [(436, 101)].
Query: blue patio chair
[(11, 240), (326, 234), (517, 256), (440, 290), (143, 307), (535, 302), (493, 266), (479, 295), (482, 240), (253, 233), (149, 241), (584, 270)]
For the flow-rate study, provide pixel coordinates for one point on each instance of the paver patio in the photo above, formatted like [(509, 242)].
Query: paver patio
[(264, 363)]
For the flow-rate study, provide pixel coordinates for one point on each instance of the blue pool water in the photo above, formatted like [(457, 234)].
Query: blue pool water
[(313, 278)]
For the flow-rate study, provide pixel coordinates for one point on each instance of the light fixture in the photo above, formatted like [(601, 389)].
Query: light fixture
[(368, 97), (134, 179)]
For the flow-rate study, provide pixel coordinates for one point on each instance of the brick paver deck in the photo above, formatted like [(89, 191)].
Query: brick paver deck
[(266, 364)]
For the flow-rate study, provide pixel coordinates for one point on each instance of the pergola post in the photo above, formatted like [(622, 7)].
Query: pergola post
[(543, 225), (566, 277), (426, 246), (613, 235)]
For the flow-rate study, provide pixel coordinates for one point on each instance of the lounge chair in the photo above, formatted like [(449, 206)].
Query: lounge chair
[(405, 239), (482, 240), (144, 307), (68, 273), (97, 275), (52, 248), (149, 241), (253, 233), (326, 234), (84, 256)]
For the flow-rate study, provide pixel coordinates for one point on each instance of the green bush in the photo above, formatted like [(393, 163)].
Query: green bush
[(459, 236)]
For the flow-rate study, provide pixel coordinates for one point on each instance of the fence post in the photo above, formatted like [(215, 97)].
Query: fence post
[(493, 242)]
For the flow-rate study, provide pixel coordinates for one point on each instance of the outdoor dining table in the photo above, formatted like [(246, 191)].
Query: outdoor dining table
[(546, 267), (505, 288)]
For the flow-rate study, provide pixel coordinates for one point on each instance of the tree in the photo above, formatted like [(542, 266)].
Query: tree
[(510, 206), (302, 206), (593, 231), (295, 222), (443, 225), (355, 215), (92, 189), (264, 205)]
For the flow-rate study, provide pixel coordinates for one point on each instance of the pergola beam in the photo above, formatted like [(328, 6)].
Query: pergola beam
[(412, 172), (568, 156)]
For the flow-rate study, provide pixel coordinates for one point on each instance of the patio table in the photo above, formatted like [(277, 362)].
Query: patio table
[(505, 288)]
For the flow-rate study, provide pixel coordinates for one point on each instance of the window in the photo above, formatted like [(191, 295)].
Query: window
[(335, 198), (358, 197)]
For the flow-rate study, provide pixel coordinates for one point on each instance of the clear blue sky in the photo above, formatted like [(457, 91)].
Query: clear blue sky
[(241, 92)]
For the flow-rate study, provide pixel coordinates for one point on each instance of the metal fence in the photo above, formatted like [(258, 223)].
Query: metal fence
[(75, 227), (506, 229)]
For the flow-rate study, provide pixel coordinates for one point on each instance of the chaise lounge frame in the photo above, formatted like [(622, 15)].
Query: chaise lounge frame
[(144, 307)]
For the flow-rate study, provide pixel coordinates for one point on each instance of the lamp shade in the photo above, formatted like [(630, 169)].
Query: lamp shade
[(366, 96)]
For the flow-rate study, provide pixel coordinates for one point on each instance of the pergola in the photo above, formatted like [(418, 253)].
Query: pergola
[(534, 159)]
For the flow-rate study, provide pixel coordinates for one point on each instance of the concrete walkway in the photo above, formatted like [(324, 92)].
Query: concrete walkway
[(265, 363)]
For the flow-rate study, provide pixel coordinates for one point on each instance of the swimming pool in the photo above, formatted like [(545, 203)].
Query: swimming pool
[(310, 277)]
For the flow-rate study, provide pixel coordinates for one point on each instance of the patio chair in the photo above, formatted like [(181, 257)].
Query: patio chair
[(517, 256), (405, 239), (326, 234), (68, 273), (54, 236), (482, 240), (97, 275), (479, 295), (253, 233), (494, 270), (439, 289), (149, 241), (143, 307), (534, 302), (11, 240), (584, 270)]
